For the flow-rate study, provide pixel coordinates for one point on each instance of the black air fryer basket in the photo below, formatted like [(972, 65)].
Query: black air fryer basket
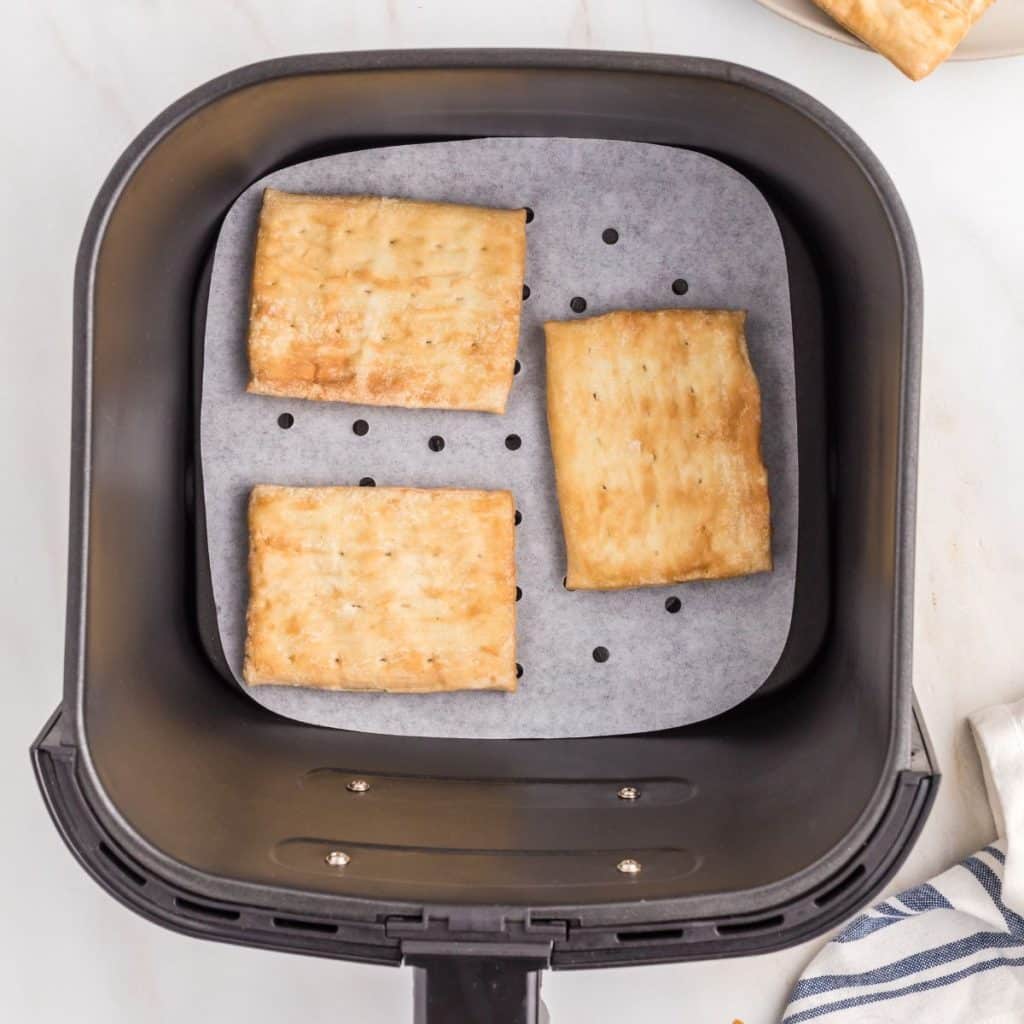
[(481, 861)]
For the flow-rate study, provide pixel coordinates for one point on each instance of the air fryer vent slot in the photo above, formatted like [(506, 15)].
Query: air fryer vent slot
[(759, 924), (841, 886), (296, 925), (651, 935), (120, 865), (205, 910)]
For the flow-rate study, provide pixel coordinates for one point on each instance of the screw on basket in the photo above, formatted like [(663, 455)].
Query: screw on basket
[(337, 858), (358, 786), (629, 793), (629, 866)]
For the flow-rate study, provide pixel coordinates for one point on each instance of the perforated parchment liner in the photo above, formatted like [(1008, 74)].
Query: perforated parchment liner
[(680, 216)]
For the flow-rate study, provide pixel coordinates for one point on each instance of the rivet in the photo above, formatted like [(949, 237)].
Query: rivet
[(338, 859), (629, 793), (630, 866), (358, 786)]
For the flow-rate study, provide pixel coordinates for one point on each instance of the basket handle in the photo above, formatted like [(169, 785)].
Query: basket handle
[(474, 985)]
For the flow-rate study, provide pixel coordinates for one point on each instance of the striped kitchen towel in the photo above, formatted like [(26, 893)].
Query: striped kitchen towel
[(950, 951)]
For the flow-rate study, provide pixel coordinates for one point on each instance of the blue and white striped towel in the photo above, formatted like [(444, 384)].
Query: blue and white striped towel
[(950, 951)]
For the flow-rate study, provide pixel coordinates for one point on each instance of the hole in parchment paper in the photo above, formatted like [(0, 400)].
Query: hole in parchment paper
[(519, 517), (609, 236), (578, 304), (360, 428), (680, 286), (673, 604), (601, 654), (529, 214), (517, 367), (519, 593), (526, 292), (285, 420), (367, 481), (436, 443), (519, 671), (513, 442)]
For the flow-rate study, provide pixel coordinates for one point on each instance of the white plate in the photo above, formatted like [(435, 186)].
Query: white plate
[(999, 32)]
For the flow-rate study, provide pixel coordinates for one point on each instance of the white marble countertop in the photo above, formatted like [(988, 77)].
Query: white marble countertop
[(82, 79)]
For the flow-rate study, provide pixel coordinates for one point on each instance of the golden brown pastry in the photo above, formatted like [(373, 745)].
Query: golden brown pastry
[(386, 588), (655, 421), (386, 301), (916, 35)]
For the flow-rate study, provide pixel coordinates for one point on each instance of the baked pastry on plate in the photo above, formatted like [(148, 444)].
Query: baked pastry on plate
[(916, 35)]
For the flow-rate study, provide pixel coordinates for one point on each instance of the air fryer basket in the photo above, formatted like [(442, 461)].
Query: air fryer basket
[(487, 860)]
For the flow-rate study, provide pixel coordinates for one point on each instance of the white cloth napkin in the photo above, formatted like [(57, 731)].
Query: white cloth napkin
[(950, 951), (999, 733)]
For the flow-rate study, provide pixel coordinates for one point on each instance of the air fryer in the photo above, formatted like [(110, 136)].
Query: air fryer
[(483, 862)]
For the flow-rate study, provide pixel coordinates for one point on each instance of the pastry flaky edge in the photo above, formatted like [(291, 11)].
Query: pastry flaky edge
[(489, 667), (580, 527), (455, 383), (915, 35)]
